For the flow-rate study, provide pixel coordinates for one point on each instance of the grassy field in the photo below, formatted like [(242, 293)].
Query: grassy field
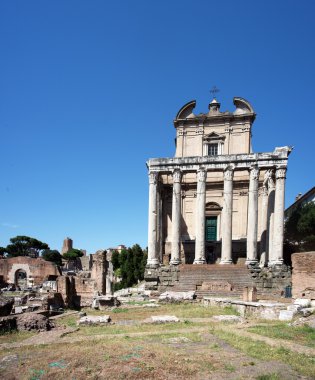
[(128, 349)]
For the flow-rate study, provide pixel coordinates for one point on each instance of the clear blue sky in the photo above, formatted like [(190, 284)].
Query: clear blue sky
[(89, 89)]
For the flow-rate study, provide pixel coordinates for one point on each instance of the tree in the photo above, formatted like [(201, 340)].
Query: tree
[(131, 265), (52, 255), (73, 254), (115, 260), (24, 246), (300, 228)]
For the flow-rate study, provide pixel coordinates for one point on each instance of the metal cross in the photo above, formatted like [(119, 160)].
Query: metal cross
[(214, 91)]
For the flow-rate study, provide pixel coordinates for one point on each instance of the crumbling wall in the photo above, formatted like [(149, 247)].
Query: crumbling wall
[(303, 275), (38, 270)]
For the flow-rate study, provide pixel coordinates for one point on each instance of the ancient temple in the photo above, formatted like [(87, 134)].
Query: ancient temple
[(216, 201)]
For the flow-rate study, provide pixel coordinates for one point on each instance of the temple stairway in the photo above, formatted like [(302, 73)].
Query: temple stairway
[(218, 276)]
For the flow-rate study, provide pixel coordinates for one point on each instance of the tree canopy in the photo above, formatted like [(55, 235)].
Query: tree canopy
[(72, 254), (24, 246), (129, 264), (300, 228), (52, 255)]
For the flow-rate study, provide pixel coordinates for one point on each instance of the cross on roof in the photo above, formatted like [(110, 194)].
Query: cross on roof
[(214, 91)]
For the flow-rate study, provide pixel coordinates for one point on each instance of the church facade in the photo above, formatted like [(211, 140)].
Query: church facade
[(216, 201)]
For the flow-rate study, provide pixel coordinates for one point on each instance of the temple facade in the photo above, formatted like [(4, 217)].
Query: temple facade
[(216, 201)]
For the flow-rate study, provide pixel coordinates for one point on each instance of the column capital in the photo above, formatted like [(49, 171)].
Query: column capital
[(177, 175), (153, 177), (228, 173), (281, 172), (254, 173), (201, 174)]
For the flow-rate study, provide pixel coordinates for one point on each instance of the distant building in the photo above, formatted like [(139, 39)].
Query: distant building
[(67, 245), (300, 200)]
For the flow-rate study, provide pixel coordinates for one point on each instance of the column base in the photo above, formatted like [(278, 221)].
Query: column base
[(275, 262), (251, 262), (226, 261), (175, 262), (199, 261), (154, 263)]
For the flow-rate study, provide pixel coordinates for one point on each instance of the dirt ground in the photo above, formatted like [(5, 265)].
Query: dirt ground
[(195, 348)]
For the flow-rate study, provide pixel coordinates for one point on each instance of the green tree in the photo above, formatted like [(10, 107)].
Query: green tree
[(73, 254), (24, 246), (300, 228), (52, 255), (115, 260)]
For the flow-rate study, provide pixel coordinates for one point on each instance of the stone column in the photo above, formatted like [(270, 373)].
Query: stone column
[(263, 236), (278, 224), (226, 228), (153, 260), (252, 219), (270, 215), (176, 217), (200, 217)]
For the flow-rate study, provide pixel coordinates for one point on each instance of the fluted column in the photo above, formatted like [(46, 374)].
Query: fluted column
[(270, 215), (176, 217), (252, 220), (263, 236), (226, 254), (277, 257), (200, 217), (153, 260)]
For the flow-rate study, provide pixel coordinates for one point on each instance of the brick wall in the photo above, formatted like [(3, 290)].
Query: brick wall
[(303, 275)]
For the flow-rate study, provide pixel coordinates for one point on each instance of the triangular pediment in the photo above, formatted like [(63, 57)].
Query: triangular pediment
[(214, 136)]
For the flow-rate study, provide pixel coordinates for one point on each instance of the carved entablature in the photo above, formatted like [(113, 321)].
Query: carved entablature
[(280, 173)]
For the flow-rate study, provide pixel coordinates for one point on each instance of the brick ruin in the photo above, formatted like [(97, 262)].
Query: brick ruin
[(303, 275)]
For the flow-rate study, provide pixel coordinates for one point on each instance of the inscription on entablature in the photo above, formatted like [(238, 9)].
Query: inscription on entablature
[(217, 286)]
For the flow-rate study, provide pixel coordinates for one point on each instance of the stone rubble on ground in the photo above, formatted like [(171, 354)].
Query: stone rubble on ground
[(228, 318), (161, 319), (94, 320), (177, 296)]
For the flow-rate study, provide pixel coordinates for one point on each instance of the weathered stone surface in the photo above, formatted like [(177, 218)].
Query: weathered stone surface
[(286, 315), (161, 319), (6, 304), (217, 286), (228, 318), (303, 275), (303, 302), (177, 296), (33, 321), (8, 323), (94, 320)]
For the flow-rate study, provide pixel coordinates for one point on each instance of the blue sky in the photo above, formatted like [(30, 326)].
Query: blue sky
[(89, 89)]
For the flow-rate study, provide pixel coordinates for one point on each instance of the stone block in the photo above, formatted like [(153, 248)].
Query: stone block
[(228, 318), (162, 319), (177, 296), (94, 320), (303, 302), (286, 315)]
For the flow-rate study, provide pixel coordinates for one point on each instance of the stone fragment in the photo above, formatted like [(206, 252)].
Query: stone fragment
[(304, 302), (177, 296), (162, 319), (286, 315), (228, 318), (150, 305), (94, 320), (6, 304)]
